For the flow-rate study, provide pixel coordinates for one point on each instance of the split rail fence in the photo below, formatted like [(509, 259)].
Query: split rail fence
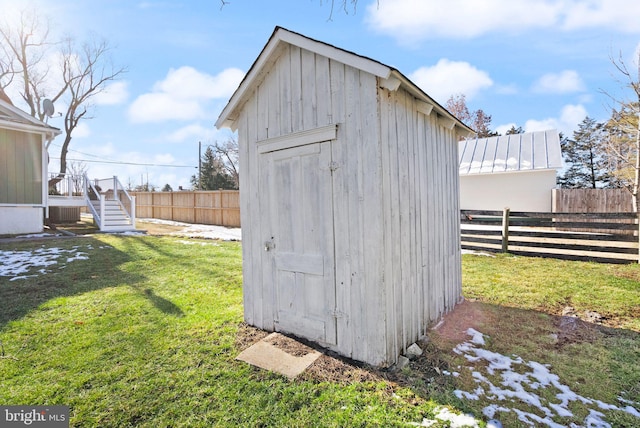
[(216, 207), (600, 237)]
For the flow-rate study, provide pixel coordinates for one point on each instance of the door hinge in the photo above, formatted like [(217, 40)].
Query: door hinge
[(333, 166)]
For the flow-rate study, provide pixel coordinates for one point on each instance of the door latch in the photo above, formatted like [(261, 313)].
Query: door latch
[(269, 244)]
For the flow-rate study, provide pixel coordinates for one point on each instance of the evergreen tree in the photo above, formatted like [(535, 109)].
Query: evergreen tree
[(482, 124), (213, 174), (583, 159), (513, 130), (167, 188)]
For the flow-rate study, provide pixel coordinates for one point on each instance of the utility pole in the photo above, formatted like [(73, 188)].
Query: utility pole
[(199, 165)]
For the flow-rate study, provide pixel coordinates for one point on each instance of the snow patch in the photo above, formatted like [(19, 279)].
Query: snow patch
[(33, 263), (200, 230), (519, 381)]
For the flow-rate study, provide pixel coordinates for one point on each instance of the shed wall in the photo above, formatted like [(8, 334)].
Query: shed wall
[(422, 273)]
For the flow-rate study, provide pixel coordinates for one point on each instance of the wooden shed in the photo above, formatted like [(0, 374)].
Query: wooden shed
[(349, 199)]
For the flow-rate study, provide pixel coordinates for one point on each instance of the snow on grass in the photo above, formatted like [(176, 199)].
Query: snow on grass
[(200, 230), (32, 263), (521, 386)]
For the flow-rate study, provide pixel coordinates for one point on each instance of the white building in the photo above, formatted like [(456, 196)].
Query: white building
[(509, 171)]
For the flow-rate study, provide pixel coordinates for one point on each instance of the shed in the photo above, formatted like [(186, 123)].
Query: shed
[(23, 170), (348, 197), (515, 171)]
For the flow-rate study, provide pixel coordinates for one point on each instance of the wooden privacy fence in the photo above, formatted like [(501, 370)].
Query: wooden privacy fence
[(217, 207), (591, 200), (553, 234)]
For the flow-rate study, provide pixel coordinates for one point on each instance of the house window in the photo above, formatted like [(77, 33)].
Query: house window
[(20, 167)]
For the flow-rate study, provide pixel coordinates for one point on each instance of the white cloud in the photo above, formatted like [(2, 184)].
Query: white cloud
[(448, 78), (566, 81), (196, 132), (411, 20), (616, 15), (115, 93), (82, 130), (422, 19), (183, 95), (570, 116), (187, 82), (160, 106)]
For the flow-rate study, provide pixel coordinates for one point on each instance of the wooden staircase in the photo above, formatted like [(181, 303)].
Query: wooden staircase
[(115, 218), (111, 206)]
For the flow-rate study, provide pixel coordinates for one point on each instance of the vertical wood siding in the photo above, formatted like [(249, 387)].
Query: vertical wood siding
[(21, 161), (422, 274), (395, 201)]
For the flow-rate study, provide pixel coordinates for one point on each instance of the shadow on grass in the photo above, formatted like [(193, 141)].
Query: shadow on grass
[(102, 269), (162, 304)]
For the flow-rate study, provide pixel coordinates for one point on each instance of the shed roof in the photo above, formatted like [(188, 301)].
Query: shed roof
[(391, 78), (12, 117), (511, 153)]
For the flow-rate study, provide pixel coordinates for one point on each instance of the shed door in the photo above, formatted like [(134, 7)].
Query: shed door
[(296, 191)]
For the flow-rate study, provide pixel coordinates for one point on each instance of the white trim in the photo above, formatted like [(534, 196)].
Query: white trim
[(512, 171), (22, 205), (331, 52), (303, 138), (391, 83), (424, 108), (447, 122)]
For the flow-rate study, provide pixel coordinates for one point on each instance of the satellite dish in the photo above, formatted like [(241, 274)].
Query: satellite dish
[(47, 106)]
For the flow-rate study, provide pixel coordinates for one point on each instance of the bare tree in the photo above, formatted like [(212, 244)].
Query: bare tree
[(84, 72), (478, 120), (227, 152), (24, 47), (77, 171), (622, 147)]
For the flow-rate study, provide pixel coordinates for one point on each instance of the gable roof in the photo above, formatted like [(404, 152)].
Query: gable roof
[(392, 79), (511, 153), (12, 117)]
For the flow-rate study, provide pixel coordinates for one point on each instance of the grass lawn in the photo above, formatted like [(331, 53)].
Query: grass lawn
[(144, 331)]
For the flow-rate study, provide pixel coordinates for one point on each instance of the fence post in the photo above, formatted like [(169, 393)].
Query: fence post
[(505, 230)]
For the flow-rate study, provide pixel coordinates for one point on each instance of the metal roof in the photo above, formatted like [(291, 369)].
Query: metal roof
[(511, 153)]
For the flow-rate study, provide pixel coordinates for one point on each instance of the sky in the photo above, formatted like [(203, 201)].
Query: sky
[(538, 64)]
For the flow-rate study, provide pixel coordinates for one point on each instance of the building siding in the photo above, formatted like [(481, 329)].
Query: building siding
[(21, 180)]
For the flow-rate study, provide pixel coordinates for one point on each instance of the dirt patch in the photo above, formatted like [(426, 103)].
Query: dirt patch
[(468, 314), (290, 346), (248, 335), (574, 330)]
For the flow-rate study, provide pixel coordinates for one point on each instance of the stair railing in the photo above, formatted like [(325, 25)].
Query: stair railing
[(92, 194), (127, 202)]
